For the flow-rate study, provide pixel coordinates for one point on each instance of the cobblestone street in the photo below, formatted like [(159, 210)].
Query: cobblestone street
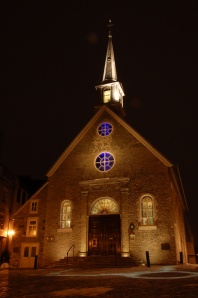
[(156, 281)]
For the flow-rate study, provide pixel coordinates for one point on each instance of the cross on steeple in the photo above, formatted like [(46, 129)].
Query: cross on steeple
[(109, 25)]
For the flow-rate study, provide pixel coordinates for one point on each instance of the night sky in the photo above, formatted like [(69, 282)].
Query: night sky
[(53, 57)]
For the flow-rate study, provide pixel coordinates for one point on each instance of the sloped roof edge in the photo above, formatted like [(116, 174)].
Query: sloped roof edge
[(175, 174), (143, 141), (36, 193), (73, 143)]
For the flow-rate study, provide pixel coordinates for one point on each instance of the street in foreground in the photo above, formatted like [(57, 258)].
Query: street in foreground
[(163, 281)]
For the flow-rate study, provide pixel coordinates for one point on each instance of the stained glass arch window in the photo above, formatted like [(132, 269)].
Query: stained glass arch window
[(104, 205), (104, 161)]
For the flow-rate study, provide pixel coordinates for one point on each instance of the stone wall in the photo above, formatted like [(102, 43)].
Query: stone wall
[(137, 171)]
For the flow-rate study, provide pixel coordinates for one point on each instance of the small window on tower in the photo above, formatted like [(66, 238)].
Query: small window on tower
[(107, 96), (105, 129)]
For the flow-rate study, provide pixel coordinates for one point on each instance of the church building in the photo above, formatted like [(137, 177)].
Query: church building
[(110, 193)]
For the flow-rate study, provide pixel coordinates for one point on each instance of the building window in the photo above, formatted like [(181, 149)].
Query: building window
[(104, 205), (105, 129), (34, 206), (65, 215), (104, 162), (107, 96), (147, 211), (32, 227)]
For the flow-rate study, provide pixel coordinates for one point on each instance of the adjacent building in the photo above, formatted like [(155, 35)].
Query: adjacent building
[(13, 194)]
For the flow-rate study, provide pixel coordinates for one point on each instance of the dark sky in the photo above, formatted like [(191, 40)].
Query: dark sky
[(53, 56)]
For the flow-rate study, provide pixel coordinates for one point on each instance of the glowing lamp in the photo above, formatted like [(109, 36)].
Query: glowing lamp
[(10, 232)]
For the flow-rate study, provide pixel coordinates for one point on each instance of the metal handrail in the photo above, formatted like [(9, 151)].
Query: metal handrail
[(69, 251)]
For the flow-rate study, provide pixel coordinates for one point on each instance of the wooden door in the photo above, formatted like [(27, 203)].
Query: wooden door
[(28, 253), (104, 235)]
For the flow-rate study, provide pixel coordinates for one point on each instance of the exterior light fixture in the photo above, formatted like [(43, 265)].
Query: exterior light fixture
[(10, 232)]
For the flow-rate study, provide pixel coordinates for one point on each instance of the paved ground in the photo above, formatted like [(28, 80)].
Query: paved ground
[(156, 281)]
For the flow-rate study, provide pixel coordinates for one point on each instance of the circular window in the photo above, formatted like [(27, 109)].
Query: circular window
[(105, 129), (104, 162)]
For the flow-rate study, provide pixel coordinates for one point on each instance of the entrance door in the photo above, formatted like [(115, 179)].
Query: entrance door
[(29, 251), (104, 235)]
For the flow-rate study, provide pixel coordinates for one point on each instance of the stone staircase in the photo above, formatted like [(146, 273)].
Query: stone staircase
[(96, 262)]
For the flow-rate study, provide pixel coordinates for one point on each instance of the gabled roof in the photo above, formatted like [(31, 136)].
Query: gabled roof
[(32, 197), (133, 132)]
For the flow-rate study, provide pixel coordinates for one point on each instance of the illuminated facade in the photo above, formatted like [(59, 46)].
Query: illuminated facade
[(109, 193)]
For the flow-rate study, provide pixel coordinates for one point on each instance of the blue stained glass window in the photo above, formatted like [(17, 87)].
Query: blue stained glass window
[(104, 161), (105, 129)]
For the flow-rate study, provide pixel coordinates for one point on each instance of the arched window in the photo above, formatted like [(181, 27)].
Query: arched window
[(65, 215), (147, 210), (104, 205)]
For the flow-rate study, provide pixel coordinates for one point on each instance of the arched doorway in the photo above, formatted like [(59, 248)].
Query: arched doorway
[(104, 228)]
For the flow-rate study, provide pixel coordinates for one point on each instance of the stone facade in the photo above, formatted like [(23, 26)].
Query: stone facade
[(21, 218), (139, 171)]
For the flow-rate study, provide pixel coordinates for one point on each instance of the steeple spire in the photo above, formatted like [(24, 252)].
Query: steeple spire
[(110, 67), (110, 90)]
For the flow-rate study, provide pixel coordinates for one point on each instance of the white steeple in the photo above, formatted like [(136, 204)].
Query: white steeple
[(111, 91)]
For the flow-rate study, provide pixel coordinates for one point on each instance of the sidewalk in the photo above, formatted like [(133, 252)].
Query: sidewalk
[(140, 281), (142, 269)]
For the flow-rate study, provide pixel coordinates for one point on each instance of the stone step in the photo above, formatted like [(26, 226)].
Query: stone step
[(97, 262), (102, 262)]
